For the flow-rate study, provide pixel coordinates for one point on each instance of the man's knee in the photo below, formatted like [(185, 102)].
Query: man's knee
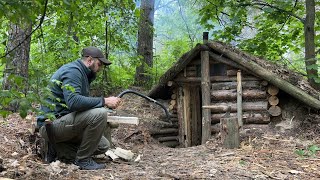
[(100, 114)]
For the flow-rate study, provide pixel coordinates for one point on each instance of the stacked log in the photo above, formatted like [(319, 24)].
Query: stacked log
[(168, 133), (173, 104), (254, 99), (274, 109)]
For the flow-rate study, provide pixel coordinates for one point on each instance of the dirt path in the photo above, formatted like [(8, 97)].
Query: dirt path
[(263, 155)]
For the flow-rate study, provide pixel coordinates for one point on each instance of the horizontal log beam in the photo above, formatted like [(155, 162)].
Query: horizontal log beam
[(233, 85), (164, 131), (214, 78), (232, 94), (246, 106), (248, 117), (168, 138)]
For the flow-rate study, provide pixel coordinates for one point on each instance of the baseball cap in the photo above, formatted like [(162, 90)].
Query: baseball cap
[(95, 53)]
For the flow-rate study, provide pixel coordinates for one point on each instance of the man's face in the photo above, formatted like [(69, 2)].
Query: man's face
[(96, 65)]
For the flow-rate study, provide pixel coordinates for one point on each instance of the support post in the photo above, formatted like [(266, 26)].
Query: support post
[(239, 99), (205, 89)]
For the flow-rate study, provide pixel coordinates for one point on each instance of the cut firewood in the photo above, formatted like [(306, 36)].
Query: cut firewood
[(123, 120), (169, 83), (174, 96), (111, 154), (264, 83), (124, 154), (173, 102), (273, 90), (274, 110), (273, 100)]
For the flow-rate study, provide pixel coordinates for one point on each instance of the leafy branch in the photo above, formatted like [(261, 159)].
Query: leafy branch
[(29, 35)]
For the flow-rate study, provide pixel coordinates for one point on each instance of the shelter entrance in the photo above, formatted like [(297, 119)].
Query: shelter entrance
[(190, 101)]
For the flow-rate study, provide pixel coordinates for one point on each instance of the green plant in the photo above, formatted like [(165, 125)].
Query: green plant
[(309, 152)]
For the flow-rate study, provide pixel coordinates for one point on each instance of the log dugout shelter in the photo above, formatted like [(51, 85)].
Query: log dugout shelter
[(214, 77)]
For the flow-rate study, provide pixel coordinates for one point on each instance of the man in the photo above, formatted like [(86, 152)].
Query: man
[(80, 119)]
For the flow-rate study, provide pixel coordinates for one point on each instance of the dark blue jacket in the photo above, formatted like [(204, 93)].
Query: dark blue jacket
[(77, 76)]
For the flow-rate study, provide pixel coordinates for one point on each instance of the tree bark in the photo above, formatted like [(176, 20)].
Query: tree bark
[(145, 43), (18, 60), (309, 34)]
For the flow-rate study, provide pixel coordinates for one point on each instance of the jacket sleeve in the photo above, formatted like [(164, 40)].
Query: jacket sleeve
[(73, 98)]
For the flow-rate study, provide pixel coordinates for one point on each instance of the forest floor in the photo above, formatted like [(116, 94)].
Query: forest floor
[(263, 154)]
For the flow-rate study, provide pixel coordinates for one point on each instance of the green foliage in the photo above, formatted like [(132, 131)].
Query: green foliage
[(171, 52), (22, 102), (310, 152), (271, 29)]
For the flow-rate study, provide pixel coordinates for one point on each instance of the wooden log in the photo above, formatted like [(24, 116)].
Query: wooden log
[(232, 94), (171, 143), (171, 107), (264, 83), (205, 91), (168, 138), (248, 117), (230, 132), (233, 85), (173, 102), (246, 106), (174, 96), (273, 90), (170, 83), (213, 78), (274, 110), (123, 120), (180, 115), (273, 100), (163, 131), (266, 74), (239, 99), (164, 117), (187, 115)]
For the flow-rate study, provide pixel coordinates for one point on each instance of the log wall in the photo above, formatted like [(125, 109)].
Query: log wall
[(259, 102), (254, 98)]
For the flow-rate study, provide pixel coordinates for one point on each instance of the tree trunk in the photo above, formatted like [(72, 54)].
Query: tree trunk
[(145, 42), (309, 34), (17, 59)]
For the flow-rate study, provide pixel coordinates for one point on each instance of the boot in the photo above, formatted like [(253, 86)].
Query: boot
[(88, 164)]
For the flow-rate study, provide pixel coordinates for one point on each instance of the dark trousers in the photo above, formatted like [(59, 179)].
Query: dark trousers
[(80, 135)]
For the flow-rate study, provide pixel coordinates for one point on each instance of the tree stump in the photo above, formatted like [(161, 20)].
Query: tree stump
[(230, 132)]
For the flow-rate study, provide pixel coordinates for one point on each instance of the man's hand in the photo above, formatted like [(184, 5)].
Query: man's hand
[(112, 102)]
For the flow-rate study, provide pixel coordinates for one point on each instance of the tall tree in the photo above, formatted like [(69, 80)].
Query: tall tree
[(278, 27), (17, 59), (145, 42), (19, 42)]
